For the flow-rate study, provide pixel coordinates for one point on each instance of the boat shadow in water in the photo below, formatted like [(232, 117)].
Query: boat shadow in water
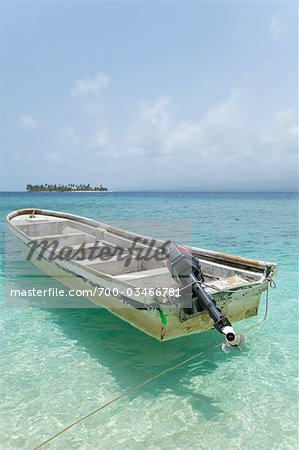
[(132, 357)]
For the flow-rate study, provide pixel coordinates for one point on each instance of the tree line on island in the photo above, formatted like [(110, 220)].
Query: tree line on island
[(64, 187)]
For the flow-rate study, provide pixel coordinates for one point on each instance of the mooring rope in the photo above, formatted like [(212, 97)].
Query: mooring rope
[(266, 308), (127, 393), (149, 380)]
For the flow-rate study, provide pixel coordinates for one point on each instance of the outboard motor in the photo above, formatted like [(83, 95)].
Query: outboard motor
[(186, 270)]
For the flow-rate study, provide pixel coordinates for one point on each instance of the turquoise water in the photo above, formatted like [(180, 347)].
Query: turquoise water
[(59, 364)]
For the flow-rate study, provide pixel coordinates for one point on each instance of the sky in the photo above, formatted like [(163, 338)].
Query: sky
[(150, 95)]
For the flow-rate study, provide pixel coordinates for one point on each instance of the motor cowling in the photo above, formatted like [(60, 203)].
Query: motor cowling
[(180, 263)]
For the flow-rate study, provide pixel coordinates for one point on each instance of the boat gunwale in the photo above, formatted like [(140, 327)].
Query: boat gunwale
[(235, 261)]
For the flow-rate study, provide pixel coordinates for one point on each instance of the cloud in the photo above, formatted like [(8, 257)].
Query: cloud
[(149, 132), (27, 122), (281, 133), (227, 146), (69, 135), (91, 86), (53, 157), (276, 27), (100, 138), (157, 132)]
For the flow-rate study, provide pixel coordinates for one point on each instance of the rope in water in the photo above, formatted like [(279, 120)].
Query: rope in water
[(149, 380), (130, 391), (266, 307)]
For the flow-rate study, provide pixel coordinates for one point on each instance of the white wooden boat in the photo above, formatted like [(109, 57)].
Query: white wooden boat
[(234, 283)]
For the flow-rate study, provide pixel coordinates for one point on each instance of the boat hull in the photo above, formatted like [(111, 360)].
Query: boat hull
[(236, 303)]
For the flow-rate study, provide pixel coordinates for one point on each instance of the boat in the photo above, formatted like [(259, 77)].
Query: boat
[(136, 284)]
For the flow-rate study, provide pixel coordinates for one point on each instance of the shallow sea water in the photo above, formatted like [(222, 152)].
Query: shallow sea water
[(59, 364)]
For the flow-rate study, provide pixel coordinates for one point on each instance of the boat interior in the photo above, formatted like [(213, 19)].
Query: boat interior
[(100, 242)]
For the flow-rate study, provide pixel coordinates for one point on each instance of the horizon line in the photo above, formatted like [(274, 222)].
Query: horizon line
[(160, 190)]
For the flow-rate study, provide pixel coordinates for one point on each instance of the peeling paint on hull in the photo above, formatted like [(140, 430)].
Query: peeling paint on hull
[(238, 305)]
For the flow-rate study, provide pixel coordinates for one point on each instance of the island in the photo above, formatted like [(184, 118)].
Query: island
[(65, 188)]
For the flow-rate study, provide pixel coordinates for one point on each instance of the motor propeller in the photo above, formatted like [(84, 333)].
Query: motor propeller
[(240, 341)]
